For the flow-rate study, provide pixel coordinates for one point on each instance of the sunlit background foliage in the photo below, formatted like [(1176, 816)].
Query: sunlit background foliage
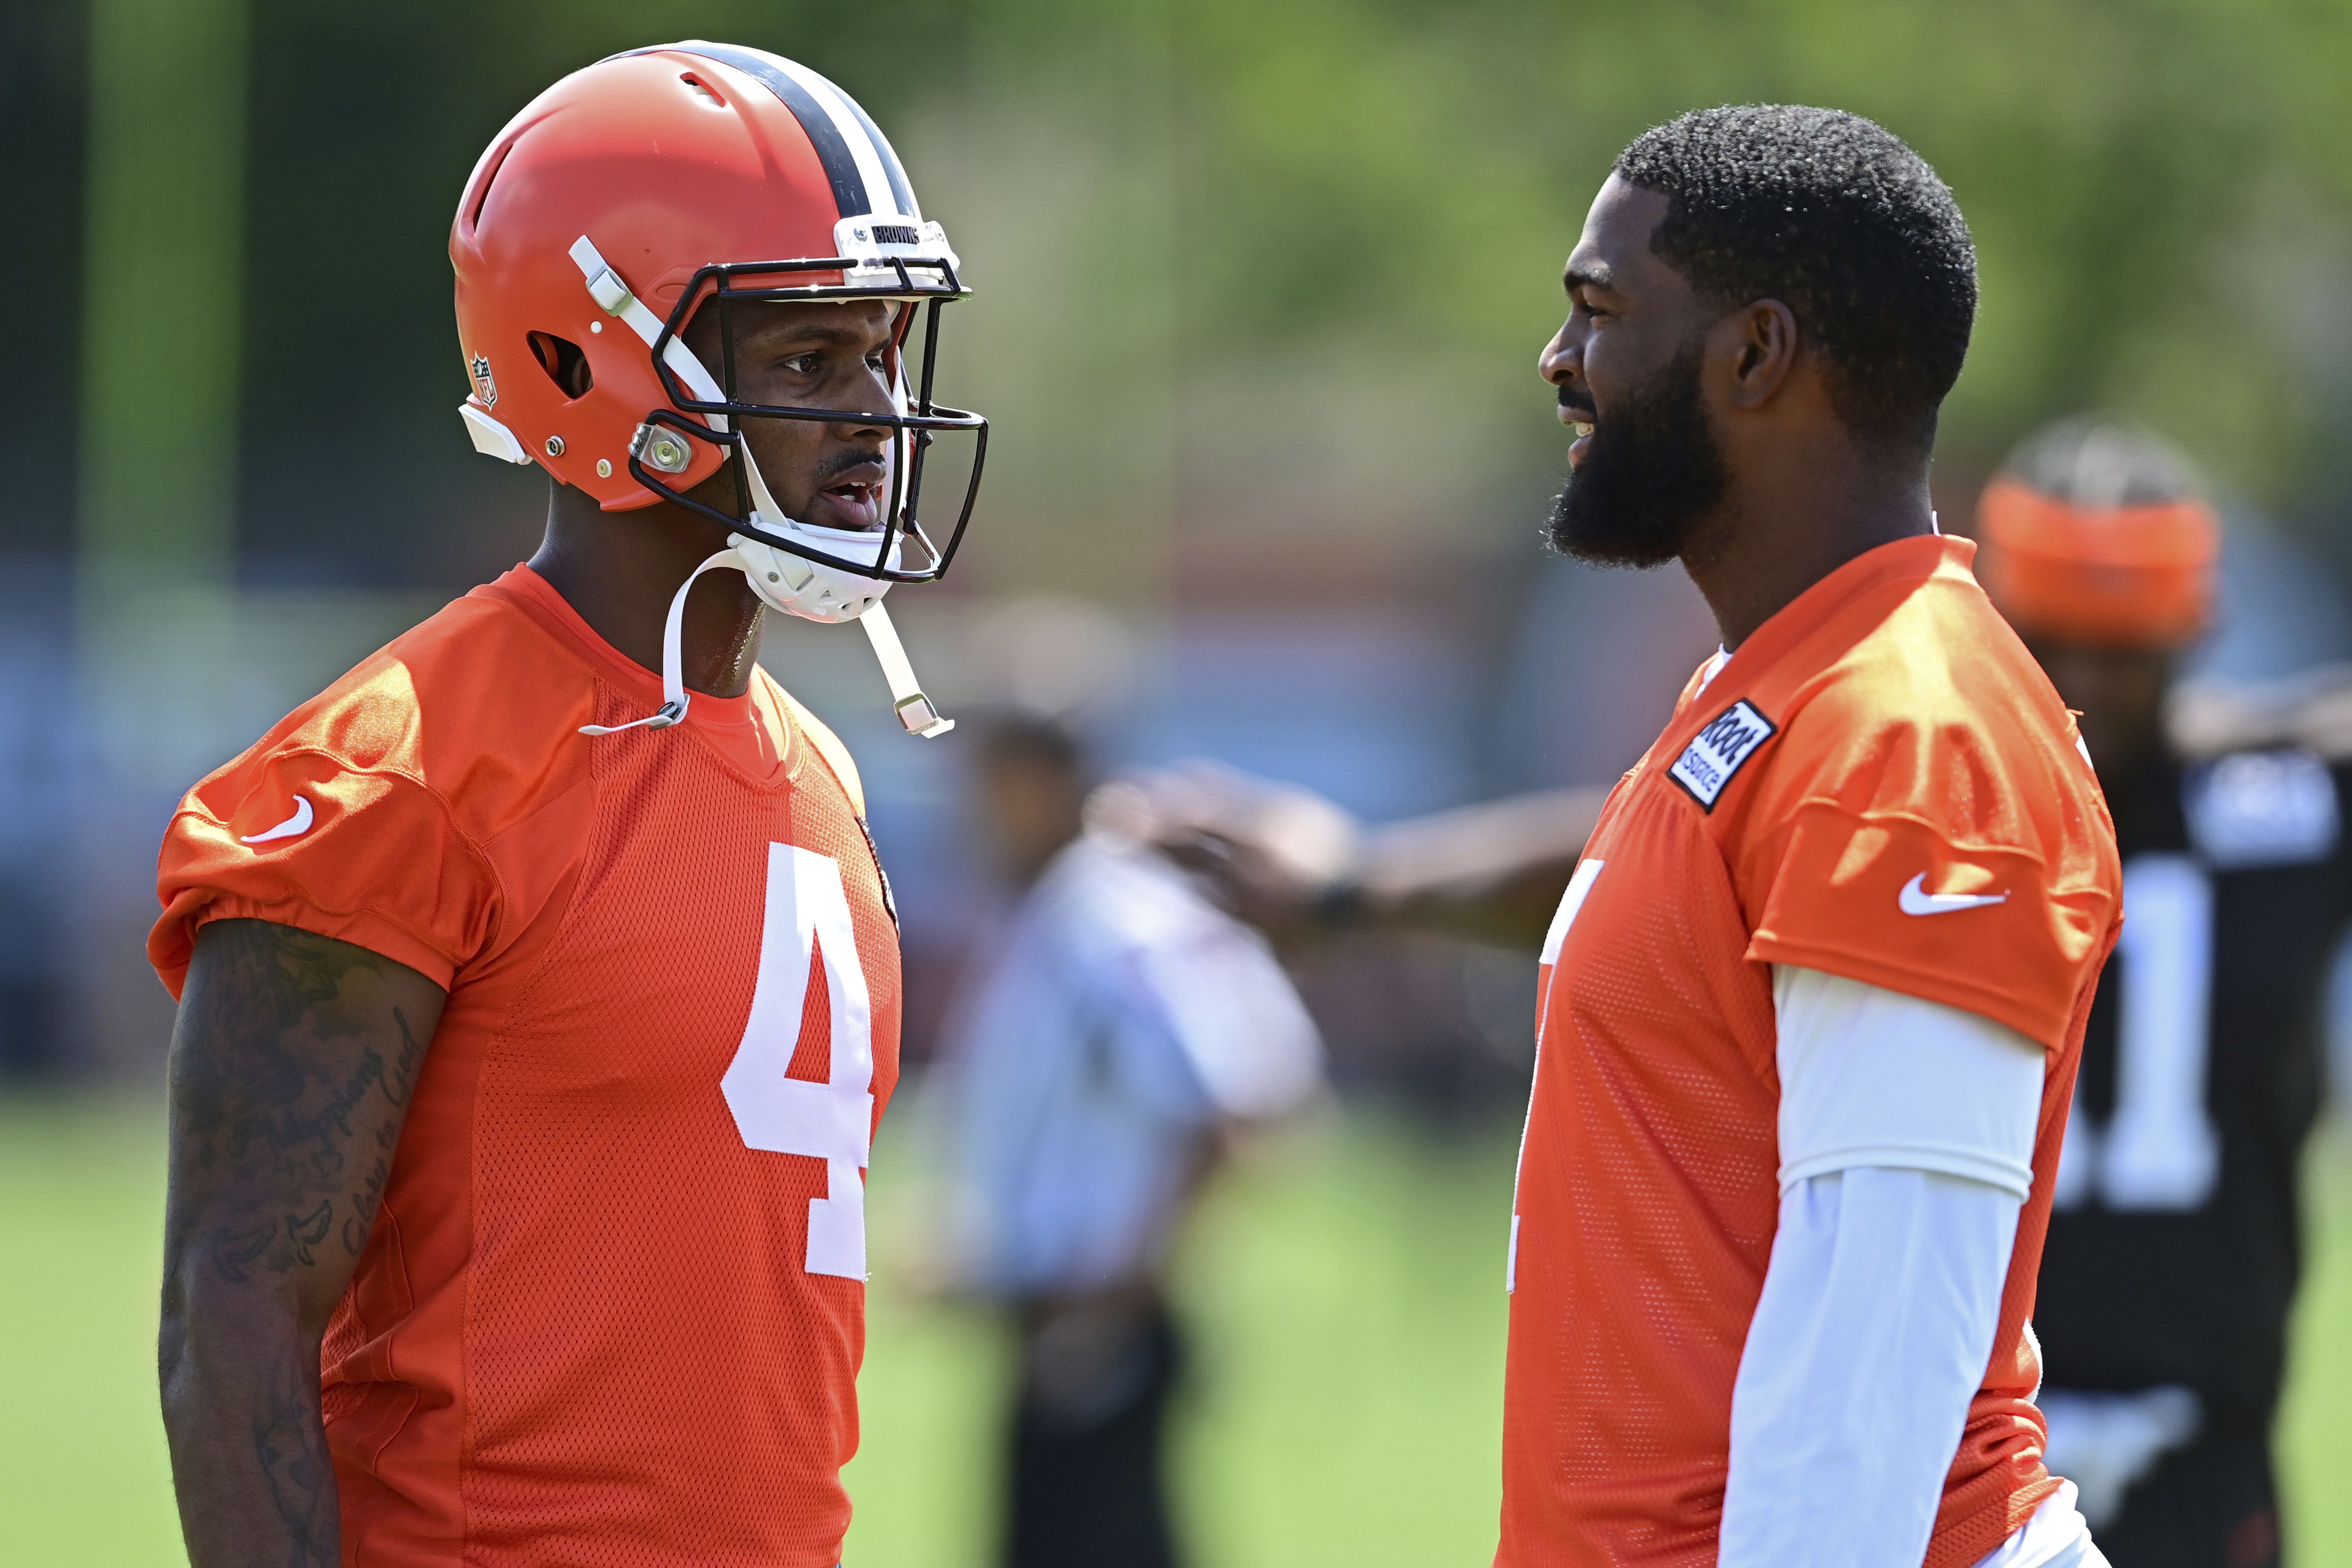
[(1261, 287)]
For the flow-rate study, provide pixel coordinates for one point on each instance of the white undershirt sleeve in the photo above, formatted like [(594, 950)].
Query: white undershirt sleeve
[(1906, 1136), (1871, 1077), (1871, 1338)]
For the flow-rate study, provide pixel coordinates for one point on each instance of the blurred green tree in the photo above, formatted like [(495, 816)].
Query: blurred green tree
[(1259, 277)]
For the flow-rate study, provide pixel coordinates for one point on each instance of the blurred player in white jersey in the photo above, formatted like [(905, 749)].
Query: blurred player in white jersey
[(1116, 1030)]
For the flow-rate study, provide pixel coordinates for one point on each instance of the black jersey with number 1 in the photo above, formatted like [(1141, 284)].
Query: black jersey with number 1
[(2173, 1253)]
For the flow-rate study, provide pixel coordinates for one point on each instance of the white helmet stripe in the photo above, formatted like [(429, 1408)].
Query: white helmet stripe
[(900, 186), (881, 189), (842, 170), (867, 177)]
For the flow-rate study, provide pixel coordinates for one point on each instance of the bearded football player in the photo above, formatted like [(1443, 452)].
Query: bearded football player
[(1814, 999), (1811, 1009), (538, 985), (2173, 1254)]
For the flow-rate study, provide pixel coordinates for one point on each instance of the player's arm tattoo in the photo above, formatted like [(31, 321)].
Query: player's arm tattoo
[(292, 1067)]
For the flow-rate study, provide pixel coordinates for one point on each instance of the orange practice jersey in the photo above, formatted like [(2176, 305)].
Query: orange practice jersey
[(612, 1308), (1884, 738)]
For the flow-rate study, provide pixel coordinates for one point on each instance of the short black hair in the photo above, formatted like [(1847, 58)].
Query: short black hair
[(1834, 216), (2098, 462)]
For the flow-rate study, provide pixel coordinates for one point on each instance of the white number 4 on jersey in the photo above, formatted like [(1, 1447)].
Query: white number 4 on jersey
[(807, 914)]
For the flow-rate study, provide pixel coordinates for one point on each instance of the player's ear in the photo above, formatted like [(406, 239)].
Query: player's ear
[(1762, 341)]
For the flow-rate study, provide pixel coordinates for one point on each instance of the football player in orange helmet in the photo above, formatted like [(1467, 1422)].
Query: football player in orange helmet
[(2173, 1253), (538, 982)]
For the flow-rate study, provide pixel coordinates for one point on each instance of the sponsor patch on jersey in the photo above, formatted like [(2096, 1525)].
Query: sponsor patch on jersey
[(1716, 752), (2262, 808)]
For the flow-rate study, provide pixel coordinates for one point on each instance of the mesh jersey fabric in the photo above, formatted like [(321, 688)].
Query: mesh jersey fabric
[(581, 1331), (1890, 727)]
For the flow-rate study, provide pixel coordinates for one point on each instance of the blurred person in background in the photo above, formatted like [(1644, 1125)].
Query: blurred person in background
[(1116, 1034), (1813, 1003), (538, 985), (2174, 1252)]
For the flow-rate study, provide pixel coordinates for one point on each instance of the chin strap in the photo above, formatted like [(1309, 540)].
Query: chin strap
[(675, 696), (914, 709)]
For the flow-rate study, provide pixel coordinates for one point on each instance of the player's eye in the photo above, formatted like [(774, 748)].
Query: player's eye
[(804, 364)]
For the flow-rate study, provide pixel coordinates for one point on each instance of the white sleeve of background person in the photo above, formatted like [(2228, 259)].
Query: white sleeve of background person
[(1242, 1028), (1906, 1136)]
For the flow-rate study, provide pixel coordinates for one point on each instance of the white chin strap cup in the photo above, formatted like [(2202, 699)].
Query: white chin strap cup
[(915, 709)]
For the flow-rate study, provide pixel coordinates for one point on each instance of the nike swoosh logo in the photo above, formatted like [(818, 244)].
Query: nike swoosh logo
[(293, 826), (1915, 899)]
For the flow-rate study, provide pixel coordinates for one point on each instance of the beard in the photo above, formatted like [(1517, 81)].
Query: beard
[(1649, 476)]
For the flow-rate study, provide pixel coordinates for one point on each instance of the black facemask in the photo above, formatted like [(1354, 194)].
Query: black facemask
[(1649, 474)]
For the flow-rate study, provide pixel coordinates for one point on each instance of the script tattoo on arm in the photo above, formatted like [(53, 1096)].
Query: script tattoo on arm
[(293, 1063)]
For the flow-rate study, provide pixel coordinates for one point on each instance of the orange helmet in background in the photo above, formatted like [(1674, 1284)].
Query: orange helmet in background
[(2095, 531)]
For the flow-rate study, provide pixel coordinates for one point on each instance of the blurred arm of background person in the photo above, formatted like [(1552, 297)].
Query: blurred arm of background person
[(1120, 1035), (290, 1068), (1286, 859)]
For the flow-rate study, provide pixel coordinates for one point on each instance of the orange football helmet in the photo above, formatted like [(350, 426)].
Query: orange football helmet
[(2095, 531), (643, 188)]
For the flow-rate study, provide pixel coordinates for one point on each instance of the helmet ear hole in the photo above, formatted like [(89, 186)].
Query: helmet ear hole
[(564, 362)]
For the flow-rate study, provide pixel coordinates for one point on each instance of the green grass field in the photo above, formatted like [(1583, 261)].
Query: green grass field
[(1346, 1292)]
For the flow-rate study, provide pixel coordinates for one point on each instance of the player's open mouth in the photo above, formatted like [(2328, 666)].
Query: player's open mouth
[(1582, 417), (854, 504)]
